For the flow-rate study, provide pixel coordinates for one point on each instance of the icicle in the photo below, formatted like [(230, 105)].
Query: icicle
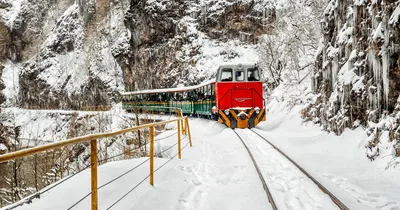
[(385, 61)]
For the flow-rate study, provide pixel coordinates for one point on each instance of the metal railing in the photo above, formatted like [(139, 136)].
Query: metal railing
[(182, 124)]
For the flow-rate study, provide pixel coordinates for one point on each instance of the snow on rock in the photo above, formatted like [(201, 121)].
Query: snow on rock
[(12, 14), (3, 148), (395, 18), (10, 77), (344, 36), (357, 69), (65, 37)]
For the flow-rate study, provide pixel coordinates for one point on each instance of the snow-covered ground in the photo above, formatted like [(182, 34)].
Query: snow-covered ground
[(217, 173), (339, 162)]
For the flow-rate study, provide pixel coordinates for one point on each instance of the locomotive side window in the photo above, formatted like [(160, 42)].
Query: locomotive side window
[(252, 74), (226, 75), (239, 75)]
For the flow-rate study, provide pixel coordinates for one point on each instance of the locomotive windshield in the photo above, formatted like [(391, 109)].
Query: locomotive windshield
[(252, 74), (226, 75), (238, 73)]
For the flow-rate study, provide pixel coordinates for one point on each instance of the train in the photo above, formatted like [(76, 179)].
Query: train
[(235, 98)]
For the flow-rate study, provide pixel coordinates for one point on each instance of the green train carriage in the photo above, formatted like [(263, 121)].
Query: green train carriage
[(195, 100)]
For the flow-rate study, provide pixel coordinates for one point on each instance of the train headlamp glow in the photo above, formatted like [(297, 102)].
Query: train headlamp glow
[(226, 111), (257, 110)]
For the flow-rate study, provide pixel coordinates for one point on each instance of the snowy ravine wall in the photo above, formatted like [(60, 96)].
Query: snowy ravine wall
[(357, 76), (182, 42), (68, 54)]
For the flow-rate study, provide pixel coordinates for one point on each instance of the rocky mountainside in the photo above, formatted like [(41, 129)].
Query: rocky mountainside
[(69, 54), (357, 76)]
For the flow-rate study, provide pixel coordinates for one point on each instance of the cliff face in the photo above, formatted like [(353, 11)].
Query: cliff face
[(60, 52), (69, 54), (168, 38), (357, 76)]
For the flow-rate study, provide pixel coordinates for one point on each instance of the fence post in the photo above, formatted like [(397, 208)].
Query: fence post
[(152, 155), (183, 128), (179, 139), (93, 163), (188, 130)]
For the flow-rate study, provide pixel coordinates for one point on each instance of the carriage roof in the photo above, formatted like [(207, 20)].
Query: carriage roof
[(168, 90)]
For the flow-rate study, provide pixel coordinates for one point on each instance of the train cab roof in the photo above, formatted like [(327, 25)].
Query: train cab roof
[(246, 72)]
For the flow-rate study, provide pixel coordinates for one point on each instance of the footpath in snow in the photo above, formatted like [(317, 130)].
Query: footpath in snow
[(217, 173)]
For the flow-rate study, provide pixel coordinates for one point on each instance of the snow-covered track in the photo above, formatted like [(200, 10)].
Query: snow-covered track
[(320, 186), (269, 195)]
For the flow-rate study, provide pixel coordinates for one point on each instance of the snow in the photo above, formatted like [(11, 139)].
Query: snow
[(216, 173), (10, 78), (10, 15), (359, 2), (332, 52), (347, 75), (205, 178), (394, 19), (3, 147), (289, 185), (344, 36), (209, 53), (338, 162), (38, 127), (378, 34)]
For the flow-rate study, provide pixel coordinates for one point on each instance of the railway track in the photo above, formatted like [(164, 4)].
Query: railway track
[(271, 199)]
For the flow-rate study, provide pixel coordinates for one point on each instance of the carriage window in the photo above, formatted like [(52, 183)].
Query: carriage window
[(226, 75), (239, 76), (185, 96), (252, 74)]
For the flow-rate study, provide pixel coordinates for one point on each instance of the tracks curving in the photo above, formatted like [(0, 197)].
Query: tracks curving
[(270, 198), (335, 200)]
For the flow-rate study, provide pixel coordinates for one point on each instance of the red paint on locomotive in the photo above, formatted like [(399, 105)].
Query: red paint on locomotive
[(238, 95)]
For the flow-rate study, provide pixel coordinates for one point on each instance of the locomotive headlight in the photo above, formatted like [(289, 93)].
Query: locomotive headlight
[(226, 111), (243, 117), (257, 110)]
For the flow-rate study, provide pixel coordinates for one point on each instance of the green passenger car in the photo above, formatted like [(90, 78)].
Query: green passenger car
[(195, 100)]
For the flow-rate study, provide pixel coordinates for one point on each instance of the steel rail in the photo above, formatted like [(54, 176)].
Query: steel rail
[(320, 186), (269, 195)]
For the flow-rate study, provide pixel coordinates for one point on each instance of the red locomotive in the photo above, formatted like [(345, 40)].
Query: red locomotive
[(235, 99), (239, 96)]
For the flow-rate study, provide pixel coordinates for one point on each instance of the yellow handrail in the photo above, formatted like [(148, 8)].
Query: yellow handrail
[(93, 138)]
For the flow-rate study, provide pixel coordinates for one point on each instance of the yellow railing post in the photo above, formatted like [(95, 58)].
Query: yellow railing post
[(179, 139), (188, 130), (183, 128), (152, 155), (93, 162)]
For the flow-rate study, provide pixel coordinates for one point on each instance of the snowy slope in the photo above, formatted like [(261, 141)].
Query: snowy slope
[(216, 173), (339, 162)]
